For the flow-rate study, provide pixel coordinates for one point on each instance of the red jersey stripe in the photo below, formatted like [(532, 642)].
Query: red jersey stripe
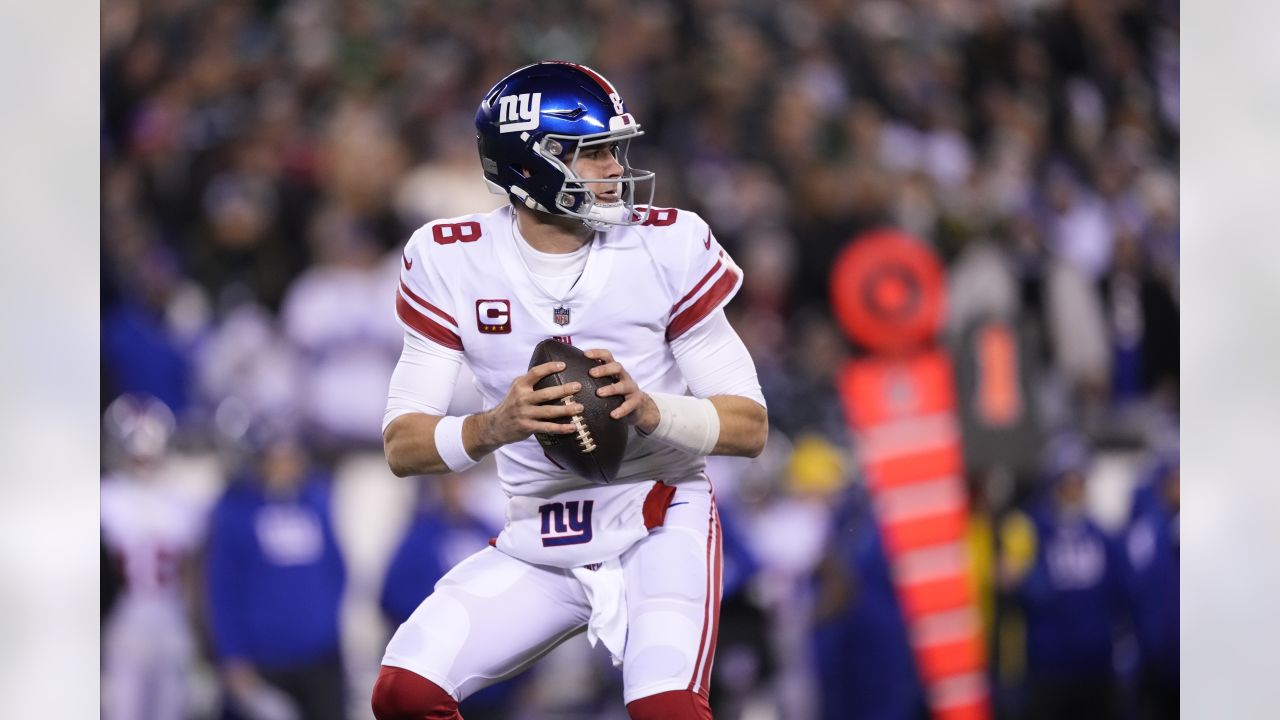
[(717, 589), (709, 301), (425, 326), (710, 274), (414, 297)]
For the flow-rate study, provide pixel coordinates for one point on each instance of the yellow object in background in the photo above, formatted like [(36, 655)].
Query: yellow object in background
[(1018, 546), (816, 467), (982, 553)]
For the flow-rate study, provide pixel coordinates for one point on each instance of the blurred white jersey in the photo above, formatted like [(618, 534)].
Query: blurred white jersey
[(147, 639), (148, 528), (465, 286)]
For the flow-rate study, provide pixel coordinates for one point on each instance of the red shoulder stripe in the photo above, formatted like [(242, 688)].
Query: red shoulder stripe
[(427, 327), (709, 301), (414, 297), (710, 273)]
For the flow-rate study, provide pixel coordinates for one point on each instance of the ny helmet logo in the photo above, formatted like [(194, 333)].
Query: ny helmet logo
[(567, 523), (519, 112)]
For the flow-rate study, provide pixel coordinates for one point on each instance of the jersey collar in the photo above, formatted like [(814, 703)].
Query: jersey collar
[(537, 301)]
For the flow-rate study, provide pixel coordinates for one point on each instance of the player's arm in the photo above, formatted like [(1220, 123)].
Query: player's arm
[(419, 439), (726, 414), (744, 426)]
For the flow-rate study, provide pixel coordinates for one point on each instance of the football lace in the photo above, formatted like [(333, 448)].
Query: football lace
[(585, 441)]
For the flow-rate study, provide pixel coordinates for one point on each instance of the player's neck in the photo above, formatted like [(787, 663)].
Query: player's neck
[(551, 233)]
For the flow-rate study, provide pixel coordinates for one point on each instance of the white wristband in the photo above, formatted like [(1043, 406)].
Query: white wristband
[(689, 423), (449, 443)]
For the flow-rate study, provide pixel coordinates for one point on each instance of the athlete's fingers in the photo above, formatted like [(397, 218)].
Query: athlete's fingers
[(537, 372), (550, 428), (607, 369), (625, 386), (558, 410), (537, 397), (599, 354), (627, 407)]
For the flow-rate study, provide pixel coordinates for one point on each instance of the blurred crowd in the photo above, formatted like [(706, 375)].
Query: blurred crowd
[(263, 162)]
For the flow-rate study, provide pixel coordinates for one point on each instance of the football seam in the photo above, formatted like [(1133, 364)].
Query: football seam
[(586, 442)]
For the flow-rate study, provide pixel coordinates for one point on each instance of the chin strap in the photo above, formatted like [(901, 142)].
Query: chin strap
[(601, 216)]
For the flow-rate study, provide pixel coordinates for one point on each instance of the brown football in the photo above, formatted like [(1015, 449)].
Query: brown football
[(594, 451)]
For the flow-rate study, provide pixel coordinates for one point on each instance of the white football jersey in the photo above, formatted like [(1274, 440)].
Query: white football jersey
[(465, 286), (150, 528)]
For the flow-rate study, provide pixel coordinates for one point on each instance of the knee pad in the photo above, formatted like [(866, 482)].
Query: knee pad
[(673, 705), (402, 695)]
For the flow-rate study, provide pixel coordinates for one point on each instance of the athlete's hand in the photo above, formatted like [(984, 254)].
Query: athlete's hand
[(522, 413), (637, 407)]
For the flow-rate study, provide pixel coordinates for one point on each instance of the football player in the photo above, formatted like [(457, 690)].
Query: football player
[(581, 255), (152, 531)]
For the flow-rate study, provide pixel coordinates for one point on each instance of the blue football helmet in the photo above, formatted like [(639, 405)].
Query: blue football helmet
[(533, 125)]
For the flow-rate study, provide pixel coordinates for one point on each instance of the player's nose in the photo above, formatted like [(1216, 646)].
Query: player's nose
[(614, 168)]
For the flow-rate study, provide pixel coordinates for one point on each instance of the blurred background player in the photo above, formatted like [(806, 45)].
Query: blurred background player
[(151, 532)]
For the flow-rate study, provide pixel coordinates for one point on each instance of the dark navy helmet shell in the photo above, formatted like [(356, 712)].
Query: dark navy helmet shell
[(533, 125)]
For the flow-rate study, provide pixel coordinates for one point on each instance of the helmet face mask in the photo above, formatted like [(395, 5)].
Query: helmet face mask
[(533, 128), (576, 197)]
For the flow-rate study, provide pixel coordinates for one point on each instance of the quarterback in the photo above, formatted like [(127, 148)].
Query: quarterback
[(580, 254)]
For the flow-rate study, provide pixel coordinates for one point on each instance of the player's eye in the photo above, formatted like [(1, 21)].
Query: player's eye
[(600, 152)]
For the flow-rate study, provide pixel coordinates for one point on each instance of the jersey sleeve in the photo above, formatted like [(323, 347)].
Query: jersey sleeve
[(423, 380), (709, 280), (715, 361), (424, 304)]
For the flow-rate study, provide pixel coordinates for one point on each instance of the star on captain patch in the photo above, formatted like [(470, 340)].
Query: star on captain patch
[(560, 315)]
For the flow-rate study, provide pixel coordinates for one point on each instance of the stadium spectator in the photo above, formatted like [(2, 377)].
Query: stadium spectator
[(863, 658), (1072, 597), (275, 580), (1143, 327), (335, 314), (146, 350), (1152, 543)]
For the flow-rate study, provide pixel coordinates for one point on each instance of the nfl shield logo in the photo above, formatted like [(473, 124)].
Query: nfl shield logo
[(560, 315)]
